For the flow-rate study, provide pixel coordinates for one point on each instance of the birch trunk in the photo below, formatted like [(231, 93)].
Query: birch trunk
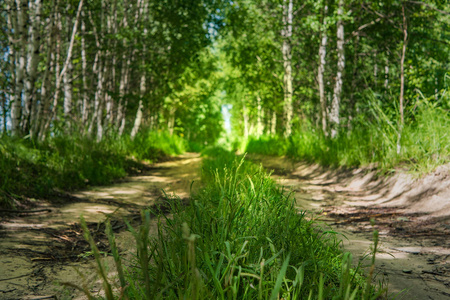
[(121, 108), (335, 106), (259, 121), (386, 74), (123, 121), (171, 121), (37, 114), (30, 101), (245, 117), (11, 20), (59, 75), (273, 124), (287, 57), (142, 87), (402, 79), (138, 119), (21, 36), (99, 103), (85, 105), (67, 83), (321, 71)]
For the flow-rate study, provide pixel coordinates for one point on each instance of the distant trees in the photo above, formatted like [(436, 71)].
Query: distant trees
[(96, 67), (113, 67), (346, 56)]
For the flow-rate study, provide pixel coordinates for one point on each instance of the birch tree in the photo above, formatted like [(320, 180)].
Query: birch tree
[(287, 64), (321, 70), (337, 93)]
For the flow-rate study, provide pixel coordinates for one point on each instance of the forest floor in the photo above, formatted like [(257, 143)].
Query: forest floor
[(412, 216), (46, 244)]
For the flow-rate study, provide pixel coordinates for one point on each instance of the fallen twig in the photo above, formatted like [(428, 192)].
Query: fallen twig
[(20, 276), (15, 211)]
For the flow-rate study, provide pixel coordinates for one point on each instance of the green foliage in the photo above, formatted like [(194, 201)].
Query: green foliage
[(241, 237), (36, 169), (425, 140), (152, 145), (268, 145)]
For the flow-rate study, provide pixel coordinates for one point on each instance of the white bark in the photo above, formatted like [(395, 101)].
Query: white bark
[(273, 124), (335, 106), (321, 71), (60, 74), (386, 74), (287, 64), (67, 86), (12, 37), (402, 79), (245, 117), (30, 101), (259, 122), (138, 120), (143, 88), (85, 105), (20, 60), (37, 114), (99, 97)]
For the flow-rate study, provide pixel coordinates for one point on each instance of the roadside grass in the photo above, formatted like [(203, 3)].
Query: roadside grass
[(241, 237), (36, 169), (425, 142)]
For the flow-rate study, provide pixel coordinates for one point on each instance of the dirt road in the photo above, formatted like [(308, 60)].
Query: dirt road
[(411, 214), (41, 248), (412, 217)]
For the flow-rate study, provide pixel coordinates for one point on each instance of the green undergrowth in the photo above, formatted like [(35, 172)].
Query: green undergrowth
[(36, 169), (241, 237), (425, 142)]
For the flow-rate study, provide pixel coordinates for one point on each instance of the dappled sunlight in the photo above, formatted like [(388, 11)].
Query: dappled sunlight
[(33, 234)]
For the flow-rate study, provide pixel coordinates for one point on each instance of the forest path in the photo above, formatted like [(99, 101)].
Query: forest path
[(412, 217), (38, 249)]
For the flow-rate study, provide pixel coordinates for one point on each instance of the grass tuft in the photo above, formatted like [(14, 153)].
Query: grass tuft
[(241, 237), (35, 169)]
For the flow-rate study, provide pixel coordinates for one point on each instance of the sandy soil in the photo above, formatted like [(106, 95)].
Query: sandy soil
[(37, 250), (411, 214)]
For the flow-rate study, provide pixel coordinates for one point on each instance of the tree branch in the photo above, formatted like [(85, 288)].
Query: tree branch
[(383, 16), (429, 6)]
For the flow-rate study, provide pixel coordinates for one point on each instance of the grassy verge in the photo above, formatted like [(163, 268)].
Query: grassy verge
[(425, 143), (35, 169), (240, 238)]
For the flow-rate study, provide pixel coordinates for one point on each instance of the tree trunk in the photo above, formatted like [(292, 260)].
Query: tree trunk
[(171, 121), (142, 87), (287, 57), (85, 105), (321, 71), (20, 53), (402, 79), (273, 123), (67, 83), (139, 112), (245, 118), (59, 75), (386, 74), (38, 114), (259, 121), (335, 106), (11, 20), (138, 120), (30, 101)]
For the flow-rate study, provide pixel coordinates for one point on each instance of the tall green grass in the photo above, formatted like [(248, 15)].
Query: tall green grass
[(35, 169), (425, 140), (241, 237)]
